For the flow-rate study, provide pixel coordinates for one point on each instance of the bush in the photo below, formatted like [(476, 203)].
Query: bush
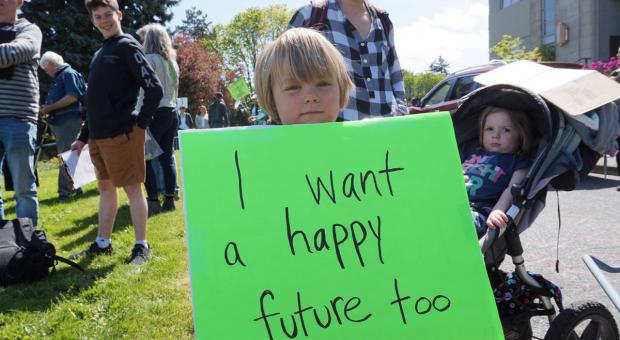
[(605, 67), (418, 84)]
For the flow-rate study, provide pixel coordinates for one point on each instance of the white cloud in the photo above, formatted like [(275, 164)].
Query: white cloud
[(458, 34)]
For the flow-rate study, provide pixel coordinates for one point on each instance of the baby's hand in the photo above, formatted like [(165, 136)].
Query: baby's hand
[(497, 219), (466, 179)]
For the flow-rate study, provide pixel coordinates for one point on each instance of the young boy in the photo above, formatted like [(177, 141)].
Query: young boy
[(301, 78), (115, 137)]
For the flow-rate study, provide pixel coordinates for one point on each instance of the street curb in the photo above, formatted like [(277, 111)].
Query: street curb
[(600, 169)]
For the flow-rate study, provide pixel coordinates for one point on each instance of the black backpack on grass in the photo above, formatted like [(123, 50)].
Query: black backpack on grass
[(25, 253)]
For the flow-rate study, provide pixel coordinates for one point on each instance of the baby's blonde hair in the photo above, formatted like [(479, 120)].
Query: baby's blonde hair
[(303, 55)]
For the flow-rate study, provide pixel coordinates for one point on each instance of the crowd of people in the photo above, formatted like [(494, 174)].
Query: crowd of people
[(336, 62)]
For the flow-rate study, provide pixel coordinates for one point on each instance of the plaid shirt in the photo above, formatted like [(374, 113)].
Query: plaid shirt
[(378, 83)]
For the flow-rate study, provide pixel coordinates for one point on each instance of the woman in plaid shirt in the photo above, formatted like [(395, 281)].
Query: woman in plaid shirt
[(364, 36)]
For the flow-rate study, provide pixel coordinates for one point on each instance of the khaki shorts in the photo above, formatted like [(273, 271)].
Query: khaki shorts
[(120, 158)]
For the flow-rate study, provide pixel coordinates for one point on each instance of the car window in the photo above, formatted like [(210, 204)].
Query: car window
[(463, 87), (440, 94)]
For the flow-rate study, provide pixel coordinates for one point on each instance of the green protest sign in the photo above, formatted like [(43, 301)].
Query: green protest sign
[(356, 230), (239, 88)]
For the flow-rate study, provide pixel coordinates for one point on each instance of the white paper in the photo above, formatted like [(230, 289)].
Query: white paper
[(574, 91), (79, 167)]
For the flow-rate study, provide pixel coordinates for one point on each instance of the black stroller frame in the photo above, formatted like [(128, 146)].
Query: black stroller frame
[(553, 165)]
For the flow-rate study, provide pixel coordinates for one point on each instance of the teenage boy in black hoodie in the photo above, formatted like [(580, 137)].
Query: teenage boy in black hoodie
[(115, 137)]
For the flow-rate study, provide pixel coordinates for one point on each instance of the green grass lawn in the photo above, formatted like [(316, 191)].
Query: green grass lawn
[(111, 299)]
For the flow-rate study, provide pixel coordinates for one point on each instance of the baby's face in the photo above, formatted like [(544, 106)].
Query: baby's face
[(317, 101), (500, 134)]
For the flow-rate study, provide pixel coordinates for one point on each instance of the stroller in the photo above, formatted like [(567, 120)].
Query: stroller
[(567, 149)]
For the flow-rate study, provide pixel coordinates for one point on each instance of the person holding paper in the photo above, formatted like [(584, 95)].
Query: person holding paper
[(364, 35), (115, 137), (63, 110), (20, 46), (161, 56), (301, 78), (500, 161)]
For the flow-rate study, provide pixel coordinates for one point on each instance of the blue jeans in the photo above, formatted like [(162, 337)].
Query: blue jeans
[(159, 174), (17, 147), (65, 128), (163, 128)]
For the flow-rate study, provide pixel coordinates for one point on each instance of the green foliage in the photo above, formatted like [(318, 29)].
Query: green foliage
[(408, 79), (439, 65), (246, 35), (67, 29), (511, 49), (547, 52), (111, 300), (195, 24), (418, 84)]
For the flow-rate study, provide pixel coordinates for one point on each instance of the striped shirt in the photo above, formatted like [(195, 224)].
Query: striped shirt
[(19, 95), (372, 61)]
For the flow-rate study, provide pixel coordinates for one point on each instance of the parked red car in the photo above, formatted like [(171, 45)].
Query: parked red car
[(446, 94)]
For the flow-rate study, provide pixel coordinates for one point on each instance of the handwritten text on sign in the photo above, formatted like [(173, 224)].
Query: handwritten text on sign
[(346, 230)]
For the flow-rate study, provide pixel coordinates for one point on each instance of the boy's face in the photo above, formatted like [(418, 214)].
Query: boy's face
[(317, 101), (107, 21)]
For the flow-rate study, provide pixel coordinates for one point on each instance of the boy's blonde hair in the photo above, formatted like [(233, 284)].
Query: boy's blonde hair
[(521, 122), (303, 55)]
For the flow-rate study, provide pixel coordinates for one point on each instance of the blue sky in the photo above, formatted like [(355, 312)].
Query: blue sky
[(454, 29)]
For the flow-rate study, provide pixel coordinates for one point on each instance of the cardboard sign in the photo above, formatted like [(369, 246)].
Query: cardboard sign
[(574, 91), (356, 230)]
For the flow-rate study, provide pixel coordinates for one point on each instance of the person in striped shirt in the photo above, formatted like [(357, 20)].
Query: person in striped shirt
[(20, 47)]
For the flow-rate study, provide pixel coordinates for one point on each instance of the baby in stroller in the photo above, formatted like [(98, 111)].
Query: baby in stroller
[(547, 147), (500, 160)]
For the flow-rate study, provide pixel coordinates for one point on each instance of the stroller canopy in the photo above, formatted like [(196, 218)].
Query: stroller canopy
[(466, 117)]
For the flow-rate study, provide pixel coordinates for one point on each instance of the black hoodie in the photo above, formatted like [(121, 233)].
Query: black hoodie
[(117, 72)]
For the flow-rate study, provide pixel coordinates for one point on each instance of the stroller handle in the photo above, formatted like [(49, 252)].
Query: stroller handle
[(513, 241)]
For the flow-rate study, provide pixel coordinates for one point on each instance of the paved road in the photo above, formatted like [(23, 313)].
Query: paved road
[(590, 225)]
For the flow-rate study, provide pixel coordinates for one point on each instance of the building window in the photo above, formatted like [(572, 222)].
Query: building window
[(507, 3), (548, 9)]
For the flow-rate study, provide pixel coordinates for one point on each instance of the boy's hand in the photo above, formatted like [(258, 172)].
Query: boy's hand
[(497, 219), (77, 146)]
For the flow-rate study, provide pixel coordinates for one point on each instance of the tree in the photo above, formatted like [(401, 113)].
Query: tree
[(247, 34), (439, 65), (200, 73), (418, 84), (195, 24), (511, 49), (67, 29), (408, 79)]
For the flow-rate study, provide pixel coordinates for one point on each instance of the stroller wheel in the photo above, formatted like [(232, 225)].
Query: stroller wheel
[(588, 320)]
